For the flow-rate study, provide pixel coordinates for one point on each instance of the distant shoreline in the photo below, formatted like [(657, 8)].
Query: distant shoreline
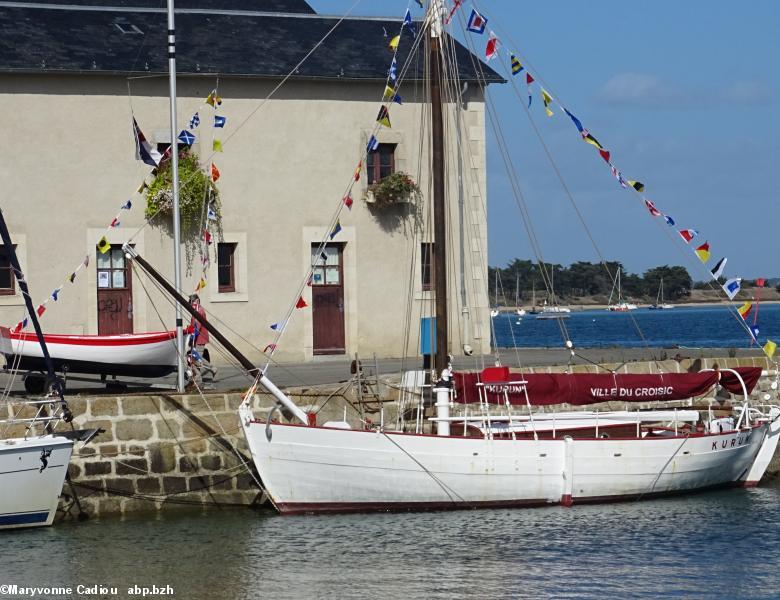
[(583, 307)]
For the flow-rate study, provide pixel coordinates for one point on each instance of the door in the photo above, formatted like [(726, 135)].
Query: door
[(114, 293), (327, 294)]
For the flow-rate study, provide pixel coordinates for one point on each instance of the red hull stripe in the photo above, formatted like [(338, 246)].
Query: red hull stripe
[(132, 339)]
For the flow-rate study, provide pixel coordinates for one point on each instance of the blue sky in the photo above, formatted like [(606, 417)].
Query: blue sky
[(685, 97)]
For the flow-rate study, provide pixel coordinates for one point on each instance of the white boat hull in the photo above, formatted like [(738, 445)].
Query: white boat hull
[(317, 469), (135, 355), (31, 476)]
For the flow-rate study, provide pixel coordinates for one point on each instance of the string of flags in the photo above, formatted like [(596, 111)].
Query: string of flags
[(477, 24), (149, 155)]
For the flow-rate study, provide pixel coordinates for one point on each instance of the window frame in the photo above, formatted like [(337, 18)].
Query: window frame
[(374, 163), (229, 287), (9, 291), (427, 251)]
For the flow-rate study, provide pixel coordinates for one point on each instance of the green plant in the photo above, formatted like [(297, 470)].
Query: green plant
[(397, 187), (197, 193)]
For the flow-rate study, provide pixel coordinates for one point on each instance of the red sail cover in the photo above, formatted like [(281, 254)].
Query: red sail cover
[(584, 388)]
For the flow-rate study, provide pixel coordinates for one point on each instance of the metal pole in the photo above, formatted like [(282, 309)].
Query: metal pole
[(439, 209), (175, 171)]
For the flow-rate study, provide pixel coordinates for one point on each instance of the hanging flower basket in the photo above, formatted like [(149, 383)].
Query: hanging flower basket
[(394, 189), (199, 203)]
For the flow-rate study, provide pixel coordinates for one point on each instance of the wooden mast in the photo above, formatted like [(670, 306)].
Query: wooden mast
[(437, 167)]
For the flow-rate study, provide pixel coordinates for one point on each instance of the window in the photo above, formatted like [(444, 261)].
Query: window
[(111, 269), (381, 163), (326, 266), (7, 279), (426, 265), (226, 267)]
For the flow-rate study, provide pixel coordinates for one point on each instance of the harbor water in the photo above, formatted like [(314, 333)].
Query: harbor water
[(694, 327), (719, 544)]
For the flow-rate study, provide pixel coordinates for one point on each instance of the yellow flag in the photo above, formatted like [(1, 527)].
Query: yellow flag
[(213, 99), (142, 187), (745, 309), (216, 146), (547, 99), (393, 45), (201, 285), (103, 245), (383, 118), (389, 93), (769, 348)]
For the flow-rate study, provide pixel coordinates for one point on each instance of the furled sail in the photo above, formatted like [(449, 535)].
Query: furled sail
[(586, 388)]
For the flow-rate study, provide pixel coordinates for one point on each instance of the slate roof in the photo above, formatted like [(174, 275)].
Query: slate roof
[(213, 36)]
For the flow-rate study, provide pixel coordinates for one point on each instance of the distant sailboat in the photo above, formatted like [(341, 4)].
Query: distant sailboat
[(621, 305), (659, 301), (520, 311)]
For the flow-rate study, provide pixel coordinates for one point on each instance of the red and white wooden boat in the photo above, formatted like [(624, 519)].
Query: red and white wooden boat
[(130, 355), (332, 468)]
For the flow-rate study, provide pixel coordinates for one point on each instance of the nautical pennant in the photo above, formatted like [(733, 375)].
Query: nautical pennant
[(455, 7), (420, 2), (214, 172), (373, 144), (278, 326), (194, 121), (143, 149), (324, 257), (575, 120), (359, 168), (72, 277), (547, 100), (769, 348), (760, 282), (392, 72), (717, 270), (390, 95), (669, 220), (529, 80), (142, 187), (336, 230), (216, 145), (114, 223), (201, 285), (619, 176), (348, 201), (703, 252), (383, 118), (213, 99), (517, 66), (41, 309), (301, 303), (409, 23), (491, 50), (393, 45), (637, 185), (732, 287), (744, 310), (127, 205), (604, 154), (207, 237), (219, 121), (688, 234), (211, 214), (754, 331), (651, 207), (55, 293), (270, 347), (476, 22), (103, 245), (589, 139), (186, 138)]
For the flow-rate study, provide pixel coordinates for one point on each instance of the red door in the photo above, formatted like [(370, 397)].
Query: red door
[(327, 294), (114, 293)]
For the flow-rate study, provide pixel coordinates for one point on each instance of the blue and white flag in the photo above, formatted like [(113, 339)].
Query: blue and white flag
[(186, 138), (393, 71), (754, 331), (194, 121), (219, 121), (211, 214), (732, 287), (127, 205), (143, 149), (669, 221), (409, 23), (373, 144), (55, 293), (476, 22)]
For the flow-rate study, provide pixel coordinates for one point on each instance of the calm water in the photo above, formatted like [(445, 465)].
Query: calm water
[(715, 545), (700, 327)]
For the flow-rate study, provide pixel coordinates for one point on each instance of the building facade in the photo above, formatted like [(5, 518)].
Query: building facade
[(288, 155)]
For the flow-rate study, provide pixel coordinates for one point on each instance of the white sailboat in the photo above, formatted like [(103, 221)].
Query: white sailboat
[(486, 445), (659, 301), (621, 305), (518, 309)]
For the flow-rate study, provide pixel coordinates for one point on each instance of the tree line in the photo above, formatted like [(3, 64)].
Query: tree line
[(584, 279)]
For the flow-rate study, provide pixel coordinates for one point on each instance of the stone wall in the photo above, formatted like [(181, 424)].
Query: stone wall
[(171, 451)]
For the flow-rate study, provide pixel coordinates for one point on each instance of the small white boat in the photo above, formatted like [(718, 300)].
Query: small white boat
[(34, 469), (132, 355)]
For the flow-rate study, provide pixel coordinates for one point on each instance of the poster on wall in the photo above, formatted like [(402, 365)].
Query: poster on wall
[(104, 280)]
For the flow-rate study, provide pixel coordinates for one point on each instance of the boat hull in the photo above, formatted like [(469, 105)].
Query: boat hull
[(133, 355), (32, 473), (317, 469)]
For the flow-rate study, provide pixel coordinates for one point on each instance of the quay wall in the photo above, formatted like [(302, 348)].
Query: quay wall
[(172, 451)]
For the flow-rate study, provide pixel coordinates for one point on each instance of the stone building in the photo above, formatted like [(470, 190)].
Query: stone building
[(73, 77)]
